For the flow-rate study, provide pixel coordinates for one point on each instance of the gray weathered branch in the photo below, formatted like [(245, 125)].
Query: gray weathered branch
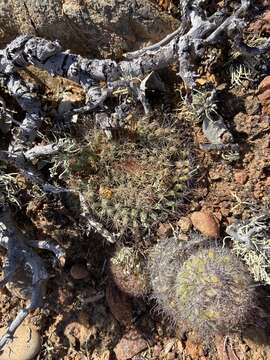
[(20, 256)]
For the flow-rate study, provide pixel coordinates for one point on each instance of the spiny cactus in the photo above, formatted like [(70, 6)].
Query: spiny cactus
[(210, 292), (128, 271), (251, 242), (134, 181)]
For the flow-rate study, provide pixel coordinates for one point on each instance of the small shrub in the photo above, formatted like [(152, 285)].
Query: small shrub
[(251, 242)]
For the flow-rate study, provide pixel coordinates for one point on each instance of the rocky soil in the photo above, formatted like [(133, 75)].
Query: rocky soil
[(87, 315)]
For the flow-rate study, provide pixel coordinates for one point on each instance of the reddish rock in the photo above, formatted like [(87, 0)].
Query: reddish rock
[(131, 344), (241, 177), (264, 95), (206, 223), (78, 272), (119, 305), (184, 224), (194, 350), (262, 25), (157, 350), (164, 230)]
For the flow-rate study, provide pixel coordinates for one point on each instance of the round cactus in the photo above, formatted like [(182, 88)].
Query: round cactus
[(135, 180), (209, 292), (127, 269)]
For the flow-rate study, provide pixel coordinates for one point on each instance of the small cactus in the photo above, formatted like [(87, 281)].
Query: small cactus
[(134, 182), (127, 269), (209, 291)]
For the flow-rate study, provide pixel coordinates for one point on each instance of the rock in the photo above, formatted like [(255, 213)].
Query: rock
[(194, 350), (184, 224), (79, 272), (164, 230), (91, 27), (132, 284), (119, 305), (262, 25), (131, 344), (206, 223), (156, 351), (264, 95), (25, 345), (252, 105), (75, 331), (241, 177)]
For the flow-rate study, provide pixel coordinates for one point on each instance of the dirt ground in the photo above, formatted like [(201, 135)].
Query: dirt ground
[(87, 315)]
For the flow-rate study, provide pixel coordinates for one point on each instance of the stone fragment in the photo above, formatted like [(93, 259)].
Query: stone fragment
[(184, 224), (78, 272), (240, 177), (164, 230), (262, 25), (206, 223), (264, 95), (24, 346), (119, 304), (130, 345), (194, 350)]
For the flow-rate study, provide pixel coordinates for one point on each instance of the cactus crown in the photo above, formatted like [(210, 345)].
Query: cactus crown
[(209, 291), (214, 292), (137, 180)]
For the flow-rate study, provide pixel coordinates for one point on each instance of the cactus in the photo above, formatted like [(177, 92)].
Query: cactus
[(127, 269), (209, 291), (134, 182)]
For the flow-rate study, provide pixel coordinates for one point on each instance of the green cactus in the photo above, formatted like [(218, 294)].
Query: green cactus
[(135, 181), (209, 291)]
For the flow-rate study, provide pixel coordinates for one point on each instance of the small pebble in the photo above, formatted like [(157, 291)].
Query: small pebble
[(206, 223), (184, 224), (171, 356), (25, 345), (131, 344), (78, 272), (240, 177), (164, 231)]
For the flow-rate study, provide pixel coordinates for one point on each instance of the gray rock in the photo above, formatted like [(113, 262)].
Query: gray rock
[(90, 27)]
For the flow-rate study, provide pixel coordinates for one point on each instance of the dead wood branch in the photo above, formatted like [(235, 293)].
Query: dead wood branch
[(20, 257)]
